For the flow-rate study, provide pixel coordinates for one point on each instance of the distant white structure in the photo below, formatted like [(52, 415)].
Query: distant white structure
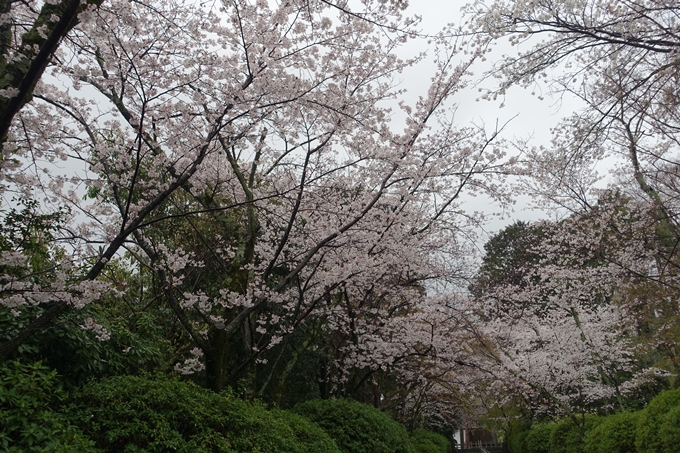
[(468, 437)]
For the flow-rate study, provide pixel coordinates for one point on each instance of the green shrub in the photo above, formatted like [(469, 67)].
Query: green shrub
[(669, 431), (537, 440), (615, 434), (133, 414), (428, 442), (310, 435), (647, 438), (27, 421), (518, 429), (356, 427), (517, 442), (567, 436), (136, 344)]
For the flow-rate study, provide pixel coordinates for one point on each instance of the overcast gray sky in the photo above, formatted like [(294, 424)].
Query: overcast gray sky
[(527, 116)]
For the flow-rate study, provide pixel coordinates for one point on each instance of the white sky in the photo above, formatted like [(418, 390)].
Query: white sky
[(528, 116)]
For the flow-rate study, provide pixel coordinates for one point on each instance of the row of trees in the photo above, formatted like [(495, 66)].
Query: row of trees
[(575, 315), (224, 180), (580, 315), (219, 188)]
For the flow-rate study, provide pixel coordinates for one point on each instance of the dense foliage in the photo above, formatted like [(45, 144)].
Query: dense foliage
[(538, 439), (567, 436), (28, 420), (615, 434), (242, 194), (653, 429), (669, 431), (247, 189), (137, 414), (356, 427), (649, 437), (429, 442)]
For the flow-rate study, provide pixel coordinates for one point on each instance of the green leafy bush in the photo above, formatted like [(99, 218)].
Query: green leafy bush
[(428, 442), (518, 429), (133, 414), (311, 436), (537, 439), (567, 436), (648, 438), (669, 431), (79, 357), (615, 434), (27, 421), (356, 427), (517, 441)]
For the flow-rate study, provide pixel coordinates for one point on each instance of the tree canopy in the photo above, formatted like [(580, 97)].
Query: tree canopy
[(238, 193)]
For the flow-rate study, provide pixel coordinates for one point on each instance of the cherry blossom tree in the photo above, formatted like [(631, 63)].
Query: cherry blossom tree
[(243, 153), (31, 32), (621, 60), (563, 334)]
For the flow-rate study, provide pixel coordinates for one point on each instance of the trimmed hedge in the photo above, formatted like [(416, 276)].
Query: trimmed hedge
[(356, 427), (655, 429), (518, 430), (616, 434), (669, 431), (567, 436), (537, 439), (132, 414), (517, 442), (563, 437), (648, 438), (428, 442)]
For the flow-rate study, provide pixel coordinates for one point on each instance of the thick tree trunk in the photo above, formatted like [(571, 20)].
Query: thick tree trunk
[(54, 21), (215, 361), (288, 370)]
